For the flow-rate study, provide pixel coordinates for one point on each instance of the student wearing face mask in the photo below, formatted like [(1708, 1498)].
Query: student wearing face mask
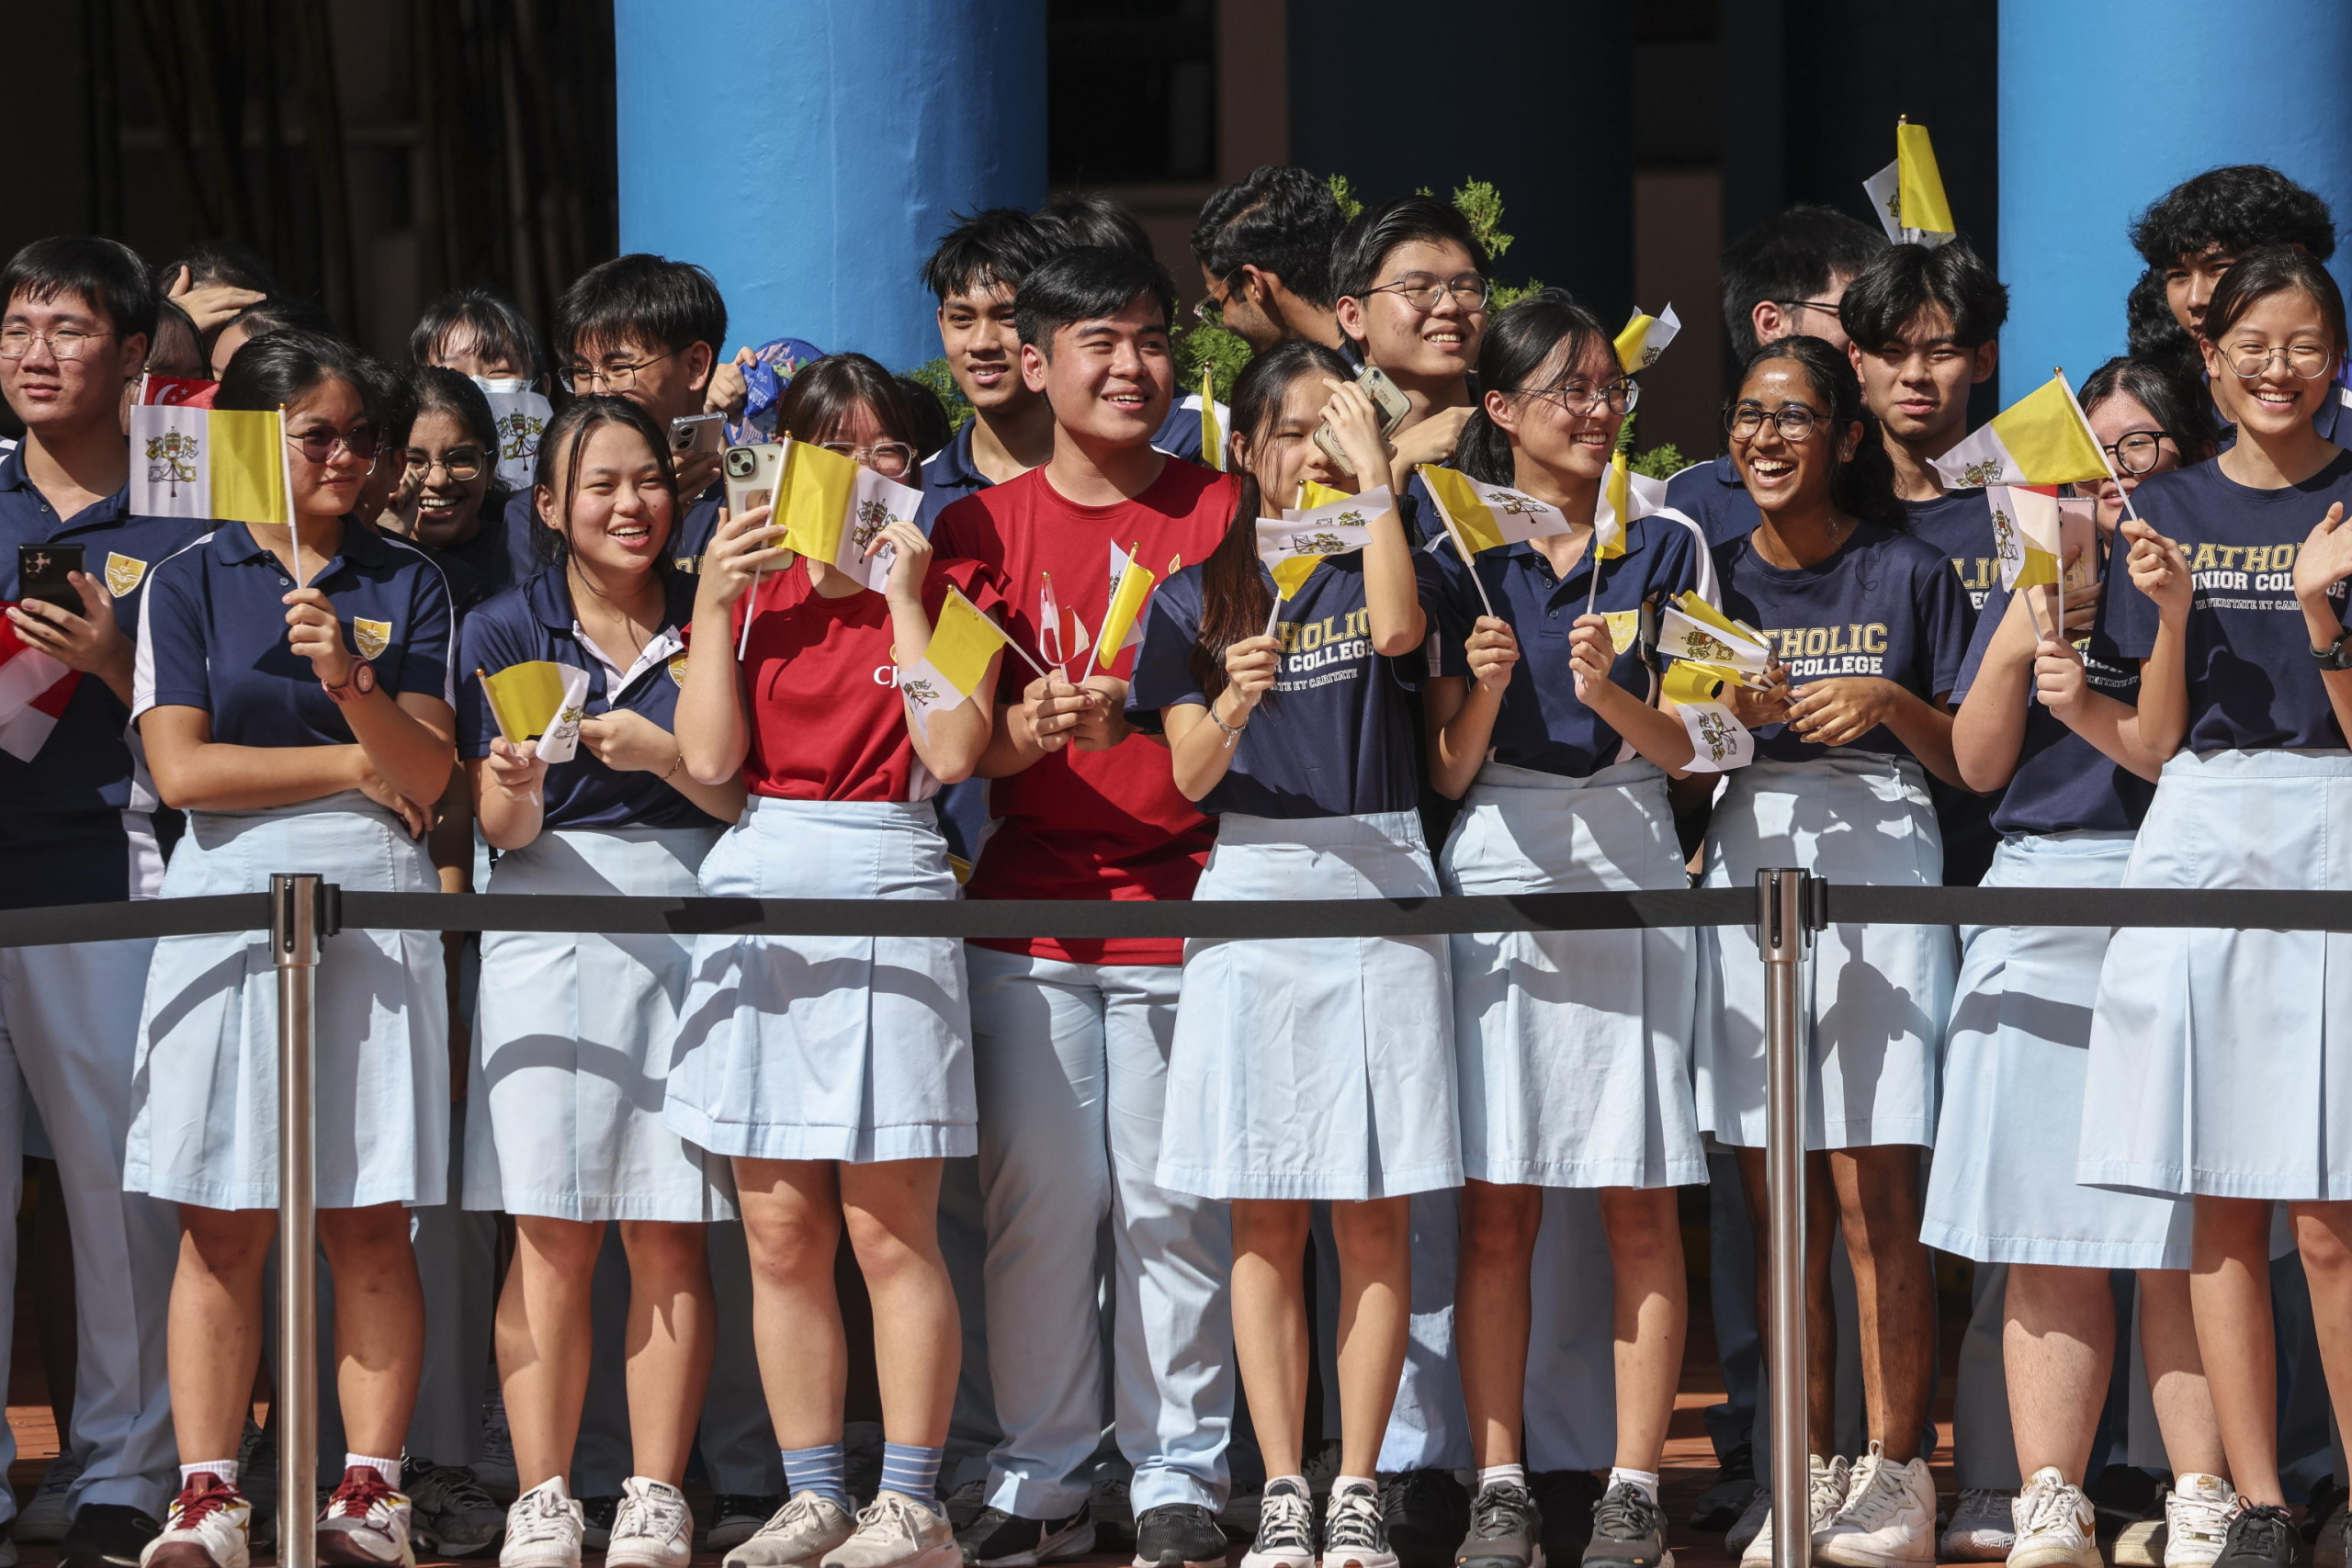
[(484, 336)]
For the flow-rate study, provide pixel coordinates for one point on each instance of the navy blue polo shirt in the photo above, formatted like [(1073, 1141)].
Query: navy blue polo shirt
[(212, 634), (2252, 684), (1541, 723), (1713, 495), (948, 476), (75, 821), (1885, 604), (1337, 740), (1960, 524), (496, 558), (1179, 434), (525, 554), (534, 620), (2064, 782)]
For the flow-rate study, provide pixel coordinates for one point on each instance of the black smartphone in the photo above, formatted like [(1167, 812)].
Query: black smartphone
[(43, 572)]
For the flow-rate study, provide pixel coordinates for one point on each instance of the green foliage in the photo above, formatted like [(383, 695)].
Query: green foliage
[(1204, 345), (1659, 462), (1345, 195), (1482, 205), (933, 373)]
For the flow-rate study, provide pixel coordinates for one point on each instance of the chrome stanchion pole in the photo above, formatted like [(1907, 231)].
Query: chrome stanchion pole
[(295, 927), (1782, 937)]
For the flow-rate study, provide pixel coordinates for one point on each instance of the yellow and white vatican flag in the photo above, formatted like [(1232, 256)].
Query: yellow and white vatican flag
[(1131, 586), (1695, 632), (520, 417), (2026, 524), (1644, 338), (952, 667), (541, 700), (832, 507), (2041, 439), (1329, 523), (1711, 651), (1908, 194), (228, 464), (1212, 427), (1719, 742), (1484, 516)]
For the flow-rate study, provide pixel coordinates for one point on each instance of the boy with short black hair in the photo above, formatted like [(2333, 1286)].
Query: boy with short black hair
[(974, 273), (1782, 278), (76, 825), (1409, 294), (1071, 1038), (1264, 248)]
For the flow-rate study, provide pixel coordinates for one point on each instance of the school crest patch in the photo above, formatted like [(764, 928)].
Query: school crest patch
[(373, 637), (124, 573), (1625, 628), (677, 669)]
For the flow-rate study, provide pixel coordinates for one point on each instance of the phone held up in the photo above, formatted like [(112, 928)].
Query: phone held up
[(698, 433), (1385, 397), (45, 572)]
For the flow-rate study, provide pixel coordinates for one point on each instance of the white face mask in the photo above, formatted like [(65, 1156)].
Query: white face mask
[(500, 383)]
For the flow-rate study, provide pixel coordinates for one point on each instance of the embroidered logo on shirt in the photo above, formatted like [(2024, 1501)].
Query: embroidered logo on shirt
[(123, 573), (1625, 628), (678, 669), (373, 637)]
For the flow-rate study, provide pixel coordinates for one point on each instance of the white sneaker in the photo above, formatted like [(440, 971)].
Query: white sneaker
[(1983, 1527), (1825, 1495), (2056, 1526), (896, 1531), (2197, 1518), (797, 1536), (45, 1521), (366, 1522), (542, 1528), (209, 1523), (653, 1529), (1889, 1520)]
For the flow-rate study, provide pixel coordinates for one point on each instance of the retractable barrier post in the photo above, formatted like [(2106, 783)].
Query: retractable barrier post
[(296, 909), (1783, 934)]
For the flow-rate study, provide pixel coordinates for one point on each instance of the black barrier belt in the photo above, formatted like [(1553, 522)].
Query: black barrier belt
[(1847, 904)]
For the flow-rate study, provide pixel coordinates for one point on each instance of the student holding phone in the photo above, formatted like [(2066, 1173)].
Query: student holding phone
[(295, 700)]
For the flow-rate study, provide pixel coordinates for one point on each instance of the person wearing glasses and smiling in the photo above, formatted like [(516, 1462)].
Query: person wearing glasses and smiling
[(293, 693), (1409, 281)]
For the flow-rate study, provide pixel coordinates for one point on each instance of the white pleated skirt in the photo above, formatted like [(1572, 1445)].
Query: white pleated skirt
[(204, 1127), (1314, 1066), (573, 1037), (1876, 997), (2002, 1188), (838, 1048), (2217, 1063), (1572, 1048)]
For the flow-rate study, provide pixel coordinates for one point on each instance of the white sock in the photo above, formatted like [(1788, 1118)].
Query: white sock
[(1341, 1483), (389, 1468), (226, 1469), (1641, 1481), (1494, 1474)]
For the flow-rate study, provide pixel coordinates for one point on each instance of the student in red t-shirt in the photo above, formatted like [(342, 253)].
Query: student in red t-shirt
[(836, 1072), (1070, 1039)]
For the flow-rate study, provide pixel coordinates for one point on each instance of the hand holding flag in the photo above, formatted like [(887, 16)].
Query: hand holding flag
[(963, 640), (538, 700), (1131, 585)]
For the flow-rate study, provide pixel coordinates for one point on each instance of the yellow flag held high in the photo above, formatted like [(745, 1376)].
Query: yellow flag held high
[(1908, 194), (2041, 439), (1484, 516), (540, 700), (1644, 338), (951, 668), (227, 464), (1212, 430)]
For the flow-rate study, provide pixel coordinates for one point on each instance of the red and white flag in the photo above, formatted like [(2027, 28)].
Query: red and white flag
[(34, 690)]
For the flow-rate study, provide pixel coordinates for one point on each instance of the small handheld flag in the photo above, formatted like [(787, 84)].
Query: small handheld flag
[(2041, 439), (1908, 194), (1485, 516), (1644, 338), (1212, 430), (1719, 742), (951, 669), (539, 700), (832, 507), (1130, 584), (33, 689), (1294, 545), (188, 460)]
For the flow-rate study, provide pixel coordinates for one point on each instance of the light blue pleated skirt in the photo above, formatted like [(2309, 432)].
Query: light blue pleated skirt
[(840, 1048), (2218, 1061), (2002, 1188), (1315, 1066), (1573, 1047), (204, 1128), (572, 1036), (1876, 997)]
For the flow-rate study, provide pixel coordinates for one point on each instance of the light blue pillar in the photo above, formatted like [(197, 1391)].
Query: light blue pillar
[(2105, 105), (809, 153)]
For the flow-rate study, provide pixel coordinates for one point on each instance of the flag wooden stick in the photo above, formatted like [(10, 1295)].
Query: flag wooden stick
[(1274, 616), (286, 478), (1462, 550), (1593, 550)]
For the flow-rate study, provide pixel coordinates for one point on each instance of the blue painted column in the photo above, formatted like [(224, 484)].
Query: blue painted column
[(2105, 105), (810, 153)]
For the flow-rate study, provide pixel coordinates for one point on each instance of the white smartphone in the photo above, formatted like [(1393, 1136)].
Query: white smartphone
[(698, 432), (1386, 396), (752, 473)]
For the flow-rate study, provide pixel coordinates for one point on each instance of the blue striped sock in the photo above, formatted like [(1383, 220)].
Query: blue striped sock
[(913, 1471), (820, 1470)]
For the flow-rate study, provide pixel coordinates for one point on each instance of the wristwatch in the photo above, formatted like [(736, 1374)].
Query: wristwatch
[(355, 685), (2336, 655)]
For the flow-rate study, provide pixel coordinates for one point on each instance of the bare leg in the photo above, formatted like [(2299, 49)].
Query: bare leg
[(544, 1327), (2176, 1383), (1270, 1324), (378, 1323), (1820, 1305), (670, 1330), (792, 1227), (1652, 1307), (1878, 1201), (893, 1214), (1492, 1313), (2228, 1287), (2057, 1349), (1376, 1246), (2324, 1235), (214, 1334)]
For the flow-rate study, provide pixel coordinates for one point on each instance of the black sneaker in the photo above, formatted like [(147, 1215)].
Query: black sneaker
[(1179, 1534), (736, 1518), (1628, 1532), (2263, 1535), (1565, 1498), (1426, 1514), (1355, 1532), (105, 1535), (1285, 1537), (1726, 1498), (1504, 1529), (597, 1516), (999, 1539)]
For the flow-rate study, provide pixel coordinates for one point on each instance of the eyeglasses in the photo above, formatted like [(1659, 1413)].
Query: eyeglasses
[(1583, 397), (2308, 361), (613, 377), (1210, 312), (1828, 305), (462, 464), (319, 445), (2137, 451), (1795, 420), (1421, 290), (891, 459), (64, 343)]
